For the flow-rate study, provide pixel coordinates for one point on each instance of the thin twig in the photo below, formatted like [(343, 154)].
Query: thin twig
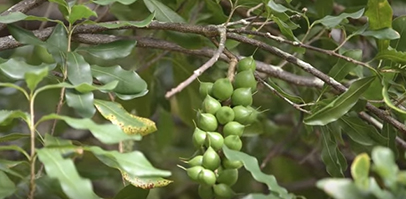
[(204, 67), (231, 64)]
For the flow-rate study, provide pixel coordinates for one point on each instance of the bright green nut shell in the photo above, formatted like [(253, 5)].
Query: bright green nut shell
[(233, 128), (211, 160), (205, 89), (247, 63), (214, 140), (207, 122), (222, 89), (242, 96), (228, 164), (196, 161), (241, 114), (225, 114), (205, 192), (245, 79), (207, 177), (210, 105), (194, 172), (233, 142), (223, 190), (228, 176), (199, 137), (252, 116)]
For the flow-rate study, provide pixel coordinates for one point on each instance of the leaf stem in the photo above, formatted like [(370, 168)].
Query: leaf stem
[(32, 145)]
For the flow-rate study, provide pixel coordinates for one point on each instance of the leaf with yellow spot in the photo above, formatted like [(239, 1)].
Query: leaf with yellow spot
[(145, 182), (129, 123)]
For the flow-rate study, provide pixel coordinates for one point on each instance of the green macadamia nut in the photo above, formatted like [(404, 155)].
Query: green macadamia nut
[(222, 89)]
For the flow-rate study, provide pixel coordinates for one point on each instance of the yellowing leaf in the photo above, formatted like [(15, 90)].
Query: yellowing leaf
[(146, 182), (129, 123)]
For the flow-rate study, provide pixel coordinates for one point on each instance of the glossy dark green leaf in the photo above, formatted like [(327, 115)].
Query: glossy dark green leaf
[(324, 7), (78, 69), (332, 157), (399, 25), (32, 78), (79, 12), (83, 88), (107, 2), (277, 7), (392, 55), (360, 131), (360, 170), (16, 69), (113, 50), (389, 132), (129, 82), (129, 123), (138, 24), (285, 28), (387, 98), (341, 69), (163, 12), (106, 133), (385, 165), (19, 16), (13, 136), (57, 44), (9, 115), (24, 36), (51, 141), (379, 13), (131, 192), (65, 171), (385, 33), (7, 187), (251, 164), (341, 105), (340, 188), (333, 21), (134, 163), (81, 102)]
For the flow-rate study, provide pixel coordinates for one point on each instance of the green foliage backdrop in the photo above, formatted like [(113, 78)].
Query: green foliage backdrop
[(101, 98)]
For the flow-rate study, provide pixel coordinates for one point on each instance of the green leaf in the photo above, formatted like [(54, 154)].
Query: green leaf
[(83, 88), (163, 12), (51, 141), (138, 24), (57, 43), (399, 25), (134, 163), (273, 86), (19, 16), (32, 78), (360, 170), (145, 182), (15, 148), (261, 196), (341, 69), (24, 36), (385, 33), (6, 115), (379, 13), (106, 133), (78, 69), (361, 132), (285, 29), (7, 165), (107, 2), (7, 187), (389, 132), (113, 50), (277, 7), (392, 55), (387, 98), (79, 12), (129, 82), (251, 164), (384, 165), (216, 11), (129, 123), (332, 157), (81, 102), (340, 188), (13, 136), (16, 69), (333, 21), (324, 7), (64, 170), (131, 192), (341, 105), (63, 6)]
